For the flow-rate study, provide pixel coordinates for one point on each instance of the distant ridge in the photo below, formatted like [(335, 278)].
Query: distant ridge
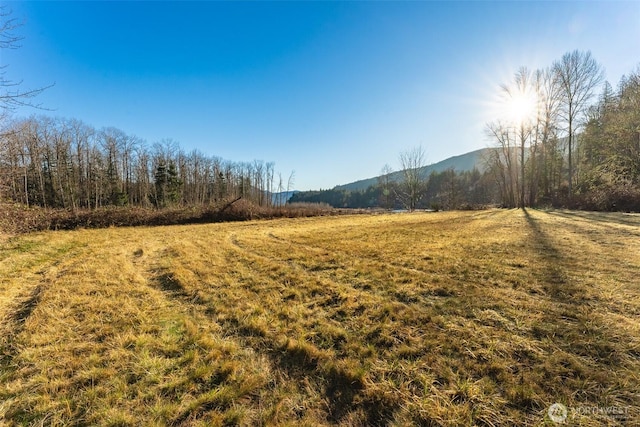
[(462, 163)]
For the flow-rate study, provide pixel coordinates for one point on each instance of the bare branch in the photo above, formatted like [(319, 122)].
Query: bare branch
[(11, 97)]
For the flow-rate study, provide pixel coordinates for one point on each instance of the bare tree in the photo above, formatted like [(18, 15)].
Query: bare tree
[(522, 98), (578, 75), (544, 139), (290, 184), (501, 162), (11, 95), (526, 138), (386, 184), (270, 170), (413, 186)]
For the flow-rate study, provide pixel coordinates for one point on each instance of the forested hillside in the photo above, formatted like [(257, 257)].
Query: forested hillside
[(442, 190), (461, 163)]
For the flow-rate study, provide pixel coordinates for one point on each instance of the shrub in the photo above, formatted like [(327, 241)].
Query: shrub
[(16, 218), (623, 197)]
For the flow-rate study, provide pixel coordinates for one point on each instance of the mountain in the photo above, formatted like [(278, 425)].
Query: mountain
[(461, 163)]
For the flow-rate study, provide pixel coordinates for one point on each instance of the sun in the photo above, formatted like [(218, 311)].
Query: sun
[(514, 105), (520, 107)]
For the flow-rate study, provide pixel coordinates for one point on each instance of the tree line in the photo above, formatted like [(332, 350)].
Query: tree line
[(65, 163), (439, 190)]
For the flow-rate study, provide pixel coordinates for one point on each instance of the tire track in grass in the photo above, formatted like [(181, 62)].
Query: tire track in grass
[(14, 324), (43, 268), (301, 362), (23, 263), (225, 388), (380, 402), (26, 298), (410, 286), (108, 345), (204, 299)]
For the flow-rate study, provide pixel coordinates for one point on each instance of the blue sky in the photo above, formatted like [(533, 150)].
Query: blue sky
[(332, 90)]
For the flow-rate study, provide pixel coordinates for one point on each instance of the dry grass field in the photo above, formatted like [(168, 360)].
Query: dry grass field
[(450, 318)]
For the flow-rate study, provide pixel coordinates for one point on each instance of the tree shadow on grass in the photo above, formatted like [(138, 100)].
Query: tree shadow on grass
[(602, 218), (599, 227), (343, 390), (582, 346), (556, 282)]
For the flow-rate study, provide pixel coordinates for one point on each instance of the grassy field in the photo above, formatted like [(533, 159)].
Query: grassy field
[(461, 318)]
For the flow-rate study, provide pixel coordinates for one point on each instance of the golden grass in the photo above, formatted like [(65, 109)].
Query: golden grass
[(460, 318)]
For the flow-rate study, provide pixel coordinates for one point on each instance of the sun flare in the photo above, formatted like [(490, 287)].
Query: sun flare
[(513, 106), (521, 107)]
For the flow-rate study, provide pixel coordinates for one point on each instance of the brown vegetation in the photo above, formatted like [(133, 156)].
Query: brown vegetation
[(455, 318), (16, 218)]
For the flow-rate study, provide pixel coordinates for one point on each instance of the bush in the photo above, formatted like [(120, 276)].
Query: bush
[(623, 197), (16, 218)]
